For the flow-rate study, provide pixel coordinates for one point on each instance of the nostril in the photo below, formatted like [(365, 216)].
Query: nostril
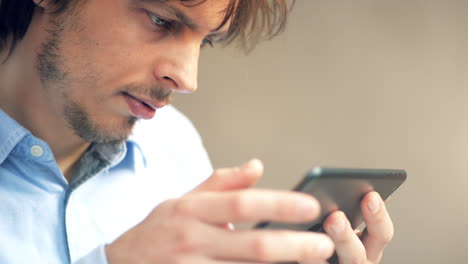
[(174, 83)]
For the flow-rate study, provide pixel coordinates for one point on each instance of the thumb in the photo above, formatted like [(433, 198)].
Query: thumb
[(233, 178)]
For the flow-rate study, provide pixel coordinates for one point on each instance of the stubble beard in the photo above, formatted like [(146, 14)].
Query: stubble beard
[(54, 79)]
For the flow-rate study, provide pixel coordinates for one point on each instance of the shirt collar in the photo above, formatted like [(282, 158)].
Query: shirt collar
[(11, 133), (99, 157)]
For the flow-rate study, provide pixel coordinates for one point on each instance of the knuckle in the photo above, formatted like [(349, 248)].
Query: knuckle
[(358, 260), (163, 208), (178, 260), (182, 208), (311, 252), (260, 248), (383, 231), (307, 254), (165, 204), (217, 173), (388, 236), (360, 257), (284, 208), (344, 239), (189, 241), (240, 206)]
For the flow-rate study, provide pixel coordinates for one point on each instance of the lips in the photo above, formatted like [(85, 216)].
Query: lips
[(141, 108)]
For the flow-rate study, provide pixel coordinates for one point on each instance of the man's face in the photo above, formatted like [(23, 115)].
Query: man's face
[(107, 63)]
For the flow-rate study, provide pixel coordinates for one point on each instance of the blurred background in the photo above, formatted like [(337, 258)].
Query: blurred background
[(378, 84)]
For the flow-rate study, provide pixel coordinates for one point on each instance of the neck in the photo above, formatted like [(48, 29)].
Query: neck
[(23, 97)]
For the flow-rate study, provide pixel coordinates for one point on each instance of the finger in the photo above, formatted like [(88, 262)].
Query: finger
[(233, 178), (254, 245), (349, 247), (248, 206), (272, 246), (206, 260), (379, 226)]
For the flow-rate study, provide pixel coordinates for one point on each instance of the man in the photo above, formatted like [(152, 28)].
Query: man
[(76, 185)]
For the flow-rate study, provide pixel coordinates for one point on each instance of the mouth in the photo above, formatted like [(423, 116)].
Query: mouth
[(142, 108)]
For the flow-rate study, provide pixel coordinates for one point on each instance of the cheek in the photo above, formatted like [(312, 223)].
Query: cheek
[(98, 68), (109, 46), (101, 61)]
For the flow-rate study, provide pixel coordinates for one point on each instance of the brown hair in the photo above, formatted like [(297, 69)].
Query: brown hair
[(251, 20), (256, 20)]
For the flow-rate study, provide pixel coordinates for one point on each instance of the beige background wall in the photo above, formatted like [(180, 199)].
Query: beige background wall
[(360, 84)]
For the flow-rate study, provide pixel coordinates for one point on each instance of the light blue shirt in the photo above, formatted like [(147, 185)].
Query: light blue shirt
[(45, 219)]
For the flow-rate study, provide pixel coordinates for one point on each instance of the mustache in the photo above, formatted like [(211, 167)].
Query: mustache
[(155, 92)]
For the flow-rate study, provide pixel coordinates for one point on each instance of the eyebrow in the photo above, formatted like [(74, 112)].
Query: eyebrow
[(187, 21), (184, 18)]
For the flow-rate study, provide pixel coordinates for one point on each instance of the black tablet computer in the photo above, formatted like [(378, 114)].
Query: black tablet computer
[(342, 189)]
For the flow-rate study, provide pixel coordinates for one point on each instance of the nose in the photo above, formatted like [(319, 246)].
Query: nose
[(177, 66)]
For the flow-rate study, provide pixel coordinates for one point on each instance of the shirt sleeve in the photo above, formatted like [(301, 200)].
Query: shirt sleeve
[(97, 256)]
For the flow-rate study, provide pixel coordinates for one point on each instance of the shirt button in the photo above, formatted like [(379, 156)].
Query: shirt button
[(37, 151)]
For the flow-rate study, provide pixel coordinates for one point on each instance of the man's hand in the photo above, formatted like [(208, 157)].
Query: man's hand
[(353, 248), (193, 230)]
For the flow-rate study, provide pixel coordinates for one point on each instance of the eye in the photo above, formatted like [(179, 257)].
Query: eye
[(206, 42), (160, 22)]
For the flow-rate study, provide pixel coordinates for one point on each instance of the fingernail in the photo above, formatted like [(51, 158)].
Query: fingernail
[(338, 226), (252, 164), (374, 204), (324, 248), (231, 227)]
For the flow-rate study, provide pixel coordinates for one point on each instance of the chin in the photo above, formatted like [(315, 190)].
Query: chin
[(106, 132)]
